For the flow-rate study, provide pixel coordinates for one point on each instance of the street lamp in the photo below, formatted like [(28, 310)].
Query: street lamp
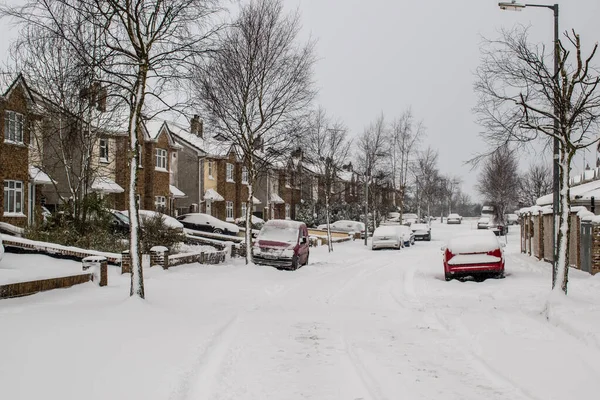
[(514, 6)]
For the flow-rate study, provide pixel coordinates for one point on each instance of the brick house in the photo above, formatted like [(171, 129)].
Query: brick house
[(156, 170), (225, 181), (20, 155)]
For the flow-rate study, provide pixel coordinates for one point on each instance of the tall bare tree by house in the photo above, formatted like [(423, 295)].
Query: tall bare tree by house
[(499, 181), (152, 44), (372, 150), (327, 148), (62, 72), (521, 100), (257, 86), (535, 183), (429, 186), (405, 136)]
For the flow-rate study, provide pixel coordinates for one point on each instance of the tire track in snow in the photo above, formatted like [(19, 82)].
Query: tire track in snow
[(197, 382)]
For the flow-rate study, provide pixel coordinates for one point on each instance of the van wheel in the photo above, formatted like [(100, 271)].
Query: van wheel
[(295, 263), (448, 277), (306, 263)]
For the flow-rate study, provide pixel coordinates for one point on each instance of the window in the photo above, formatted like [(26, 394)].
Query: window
[(160, 203), (244, 209), (210, 170), (245, 175), (161, 159), (287, 211), (229, 172), (13, 127), (13, 197), (229, 206), (104, 150)]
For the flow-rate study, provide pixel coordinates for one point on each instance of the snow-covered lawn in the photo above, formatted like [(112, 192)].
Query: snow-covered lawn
[(354, 324)]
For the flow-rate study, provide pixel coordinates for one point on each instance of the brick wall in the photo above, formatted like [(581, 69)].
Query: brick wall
[(14, 158), (32, 287)]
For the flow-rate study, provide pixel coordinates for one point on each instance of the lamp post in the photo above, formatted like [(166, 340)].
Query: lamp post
[(514, 6)]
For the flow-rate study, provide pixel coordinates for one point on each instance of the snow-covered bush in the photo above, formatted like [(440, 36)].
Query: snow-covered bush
[(156, 231)]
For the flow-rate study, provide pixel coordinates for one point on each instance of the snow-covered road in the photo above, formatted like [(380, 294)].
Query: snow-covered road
[(354, 324)]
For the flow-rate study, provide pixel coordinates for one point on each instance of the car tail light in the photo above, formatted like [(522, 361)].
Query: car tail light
[(449, 255), (495, 253)]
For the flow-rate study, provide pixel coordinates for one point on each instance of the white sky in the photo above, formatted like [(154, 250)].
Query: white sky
[(386, 55)]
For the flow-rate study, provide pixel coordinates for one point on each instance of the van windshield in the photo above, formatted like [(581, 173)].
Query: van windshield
[(279, 233)]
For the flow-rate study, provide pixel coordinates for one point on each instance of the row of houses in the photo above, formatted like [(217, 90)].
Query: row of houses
[(181, 169)]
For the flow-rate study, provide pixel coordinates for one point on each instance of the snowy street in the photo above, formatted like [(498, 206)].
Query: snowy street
[(354, 324)]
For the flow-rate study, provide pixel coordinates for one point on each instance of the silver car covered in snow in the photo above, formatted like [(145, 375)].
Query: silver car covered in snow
[(387, 237)]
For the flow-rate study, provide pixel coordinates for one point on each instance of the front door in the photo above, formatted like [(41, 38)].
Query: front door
[(209, 207)]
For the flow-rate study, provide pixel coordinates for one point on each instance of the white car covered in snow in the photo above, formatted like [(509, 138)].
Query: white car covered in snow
[(145, 215), (346, 226), (421, 231), (387, 237)]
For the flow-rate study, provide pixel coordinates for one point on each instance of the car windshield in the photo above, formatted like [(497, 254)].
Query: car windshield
[(386, 231), (276, 233), (121, 217)]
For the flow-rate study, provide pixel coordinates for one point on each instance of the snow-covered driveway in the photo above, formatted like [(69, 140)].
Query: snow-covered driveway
[(354, 324)]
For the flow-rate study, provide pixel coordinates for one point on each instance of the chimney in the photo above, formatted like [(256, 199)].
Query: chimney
[(196, 126)]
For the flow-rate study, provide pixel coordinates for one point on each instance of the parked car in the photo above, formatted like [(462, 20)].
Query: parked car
[(408, 236), (257, 223), (408, 219), (282, 244), (118, 222), (499, 228), (477, 253), (169, 221), (421, 231), (454, 219), (387, 236), (393, 217), (512, 219), (207, 223), (346, 226), (483, 222)]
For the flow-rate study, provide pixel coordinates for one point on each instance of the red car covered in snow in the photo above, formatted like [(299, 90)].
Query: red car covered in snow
[(477, 254), (282, 244)]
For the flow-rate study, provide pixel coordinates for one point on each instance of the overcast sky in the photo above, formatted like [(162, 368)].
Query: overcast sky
[(386, 55)]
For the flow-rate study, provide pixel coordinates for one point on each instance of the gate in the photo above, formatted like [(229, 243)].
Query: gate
[(586, 246)]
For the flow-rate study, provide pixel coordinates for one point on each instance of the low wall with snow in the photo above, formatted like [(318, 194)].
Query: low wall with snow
[(28, 288)]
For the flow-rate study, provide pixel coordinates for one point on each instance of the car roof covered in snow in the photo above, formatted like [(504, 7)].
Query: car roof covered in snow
[(284, 223), (386, 230), (476, 241)]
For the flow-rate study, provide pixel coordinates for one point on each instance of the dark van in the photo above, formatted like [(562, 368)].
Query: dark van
[(282, 244)]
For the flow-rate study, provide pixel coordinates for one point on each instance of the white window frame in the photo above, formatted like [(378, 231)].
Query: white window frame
[(160, 157), (13, 127), (229, 171), (160, 201), (11, 207), (245, 175), (210, 169), (229, 209), (103, 154), (244, 209), (288, 211)]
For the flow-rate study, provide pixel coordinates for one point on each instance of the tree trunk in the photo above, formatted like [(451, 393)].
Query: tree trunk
[(137, 274), (561, 269), (249, 206)]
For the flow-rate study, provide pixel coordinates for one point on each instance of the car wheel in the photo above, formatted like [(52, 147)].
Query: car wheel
[(448, 277), (428, 238), (218, 230), (306, 262), (295, 263)]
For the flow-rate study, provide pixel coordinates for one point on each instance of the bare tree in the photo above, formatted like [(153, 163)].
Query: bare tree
[(536, 183), (62, 72), (499, 181), (406, 135), (428, 181), (256, 87), (373, 148), (521, 99), (151, 44), (327, 148)]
